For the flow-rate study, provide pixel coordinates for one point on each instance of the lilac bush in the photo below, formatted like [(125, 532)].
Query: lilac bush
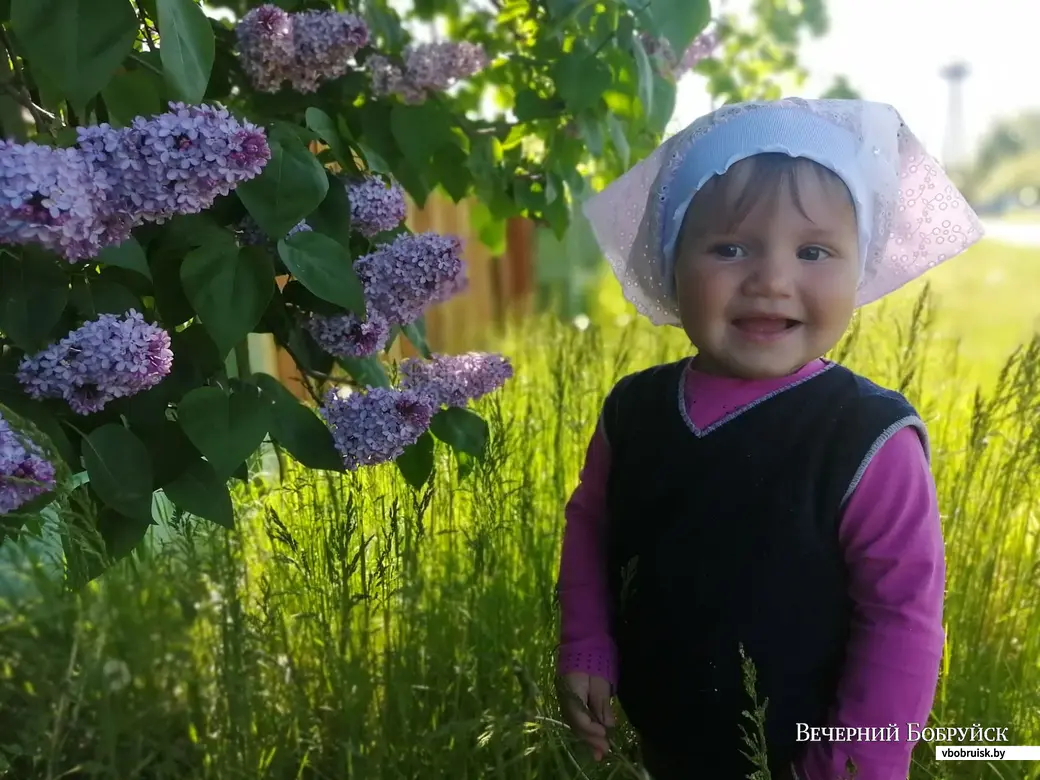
[(142, 248)]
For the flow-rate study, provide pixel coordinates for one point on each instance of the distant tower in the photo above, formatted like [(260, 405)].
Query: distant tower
[(953, 147)]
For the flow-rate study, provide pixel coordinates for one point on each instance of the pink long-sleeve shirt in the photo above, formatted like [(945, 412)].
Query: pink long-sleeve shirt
[(892, 539)]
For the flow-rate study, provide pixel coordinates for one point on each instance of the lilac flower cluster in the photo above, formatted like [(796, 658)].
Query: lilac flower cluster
[(428, 67), (375, 207), (53, 198), (108, 358), (178, 162), (75, 202), (375, 426), (304, 49), (455, 380), (702, 47), (403, 277), (347, 336), (24, 473)]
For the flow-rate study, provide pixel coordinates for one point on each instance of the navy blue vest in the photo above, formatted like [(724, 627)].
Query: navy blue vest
[(725, 539)]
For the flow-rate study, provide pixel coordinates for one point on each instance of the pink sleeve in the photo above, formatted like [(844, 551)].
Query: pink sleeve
[(893, 543), (585, 641)]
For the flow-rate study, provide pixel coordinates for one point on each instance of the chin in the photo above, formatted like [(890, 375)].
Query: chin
[(755, 368)]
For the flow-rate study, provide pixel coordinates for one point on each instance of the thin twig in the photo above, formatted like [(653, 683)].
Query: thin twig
[(19, 89), (149, 37)]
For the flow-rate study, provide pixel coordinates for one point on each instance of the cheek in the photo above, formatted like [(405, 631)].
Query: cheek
[(832, 294), (702, 287)]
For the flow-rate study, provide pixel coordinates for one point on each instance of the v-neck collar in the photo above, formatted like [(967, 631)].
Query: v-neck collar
[(702, 432)]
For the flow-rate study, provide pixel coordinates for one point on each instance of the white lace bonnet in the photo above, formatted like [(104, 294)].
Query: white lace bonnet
[(911, 217)]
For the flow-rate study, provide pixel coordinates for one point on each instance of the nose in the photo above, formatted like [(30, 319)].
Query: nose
[(770, 275)]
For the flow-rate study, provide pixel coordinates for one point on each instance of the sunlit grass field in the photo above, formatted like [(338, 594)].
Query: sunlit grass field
[(353, 628)]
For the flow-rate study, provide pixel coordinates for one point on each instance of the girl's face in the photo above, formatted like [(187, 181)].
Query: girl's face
[(764, 290)]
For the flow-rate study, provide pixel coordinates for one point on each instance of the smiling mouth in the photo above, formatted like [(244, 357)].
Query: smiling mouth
[(765, 326)]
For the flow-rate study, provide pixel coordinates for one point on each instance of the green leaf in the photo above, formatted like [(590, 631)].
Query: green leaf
[(128, 255), (416, 333), (461, 429), (76, 44), (130, 93), (581, 80), (332, 217), (121, 536), (33, 293), (367, 371), (450, 166), (230, 289), (680, 21), (592, 131), (201, 492), (664, 105), (620, 141), (491, 231), (188, 48), (324, 267), (226, 428), (96, 296), (289, 188), (120, 470), (530, 105), (298, 429), (646, 76), (416, 462), (172, 452), (322, 124), (421, 130)]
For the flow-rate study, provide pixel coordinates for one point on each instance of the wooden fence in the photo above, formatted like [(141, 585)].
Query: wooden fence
[(500, 289)]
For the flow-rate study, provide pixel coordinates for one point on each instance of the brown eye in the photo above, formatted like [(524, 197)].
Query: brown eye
[(813, 254), (727, 251)]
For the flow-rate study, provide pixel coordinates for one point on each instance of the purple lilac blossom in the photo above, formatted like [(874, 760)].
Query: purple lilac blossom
[(346, 336), (375, 426), (455, 380), (24, 473), (107, 358), (702, 47), (402, 278), (178, 162), (428, 67), (53, 198), (304, 49), (77, 201), (375, 207)]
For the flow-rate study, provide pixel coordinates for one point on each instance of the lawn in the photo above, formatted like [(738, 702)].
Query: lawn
[(353, 628)]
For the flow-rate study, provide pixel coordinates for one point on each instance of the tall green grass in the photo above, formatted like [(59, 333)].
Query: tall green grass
[(354, 628)]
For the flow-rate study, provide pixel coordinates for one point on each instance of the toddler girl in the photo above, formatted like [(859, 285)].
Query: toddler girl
[(757, 496)]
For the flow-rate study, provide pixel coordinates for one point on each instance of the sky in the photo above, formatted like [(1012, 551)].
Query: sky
[(892, 51)]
